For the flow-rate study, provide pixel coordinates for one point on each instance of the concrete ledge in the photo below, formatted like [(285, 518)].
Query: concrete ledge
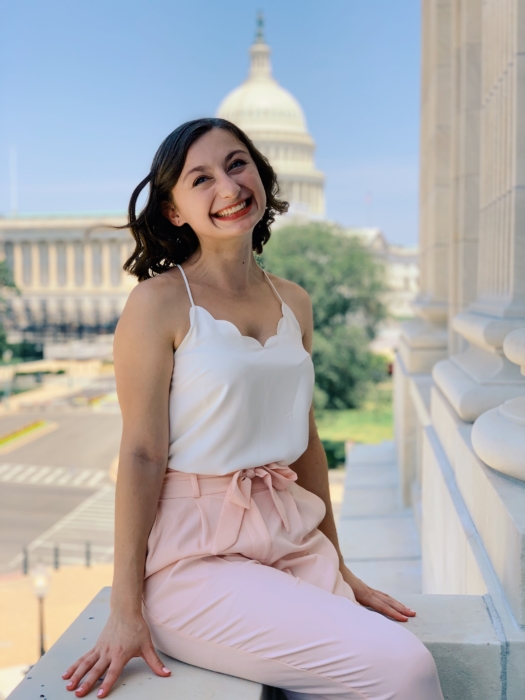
[(44, 682), (458, 632)]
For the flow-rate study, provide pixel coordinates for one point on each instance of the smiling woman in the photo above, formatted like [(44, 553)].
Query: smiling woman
[(160, 242), (226, 551)]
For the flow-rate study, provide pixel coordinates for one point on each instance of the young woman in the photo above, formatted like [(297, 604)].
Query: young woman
[(226, 552)]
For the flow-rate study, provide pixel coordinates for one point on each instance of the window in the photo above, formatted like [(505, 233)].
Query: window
[(79, 263), (61, 264), (115, 269), (43, 255), (96, 252), (27, 264)]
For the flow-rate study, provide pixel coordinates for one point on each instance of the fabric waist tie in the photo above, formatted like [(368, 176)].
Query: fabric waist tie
[(277, 476)]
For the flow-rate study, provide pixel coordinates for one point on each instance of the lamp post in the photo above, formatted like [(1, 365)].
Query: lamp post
[(40, 579)]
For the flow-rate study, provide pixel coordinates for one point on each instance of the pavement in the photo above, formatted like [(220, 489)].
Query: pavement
[(55, 487)]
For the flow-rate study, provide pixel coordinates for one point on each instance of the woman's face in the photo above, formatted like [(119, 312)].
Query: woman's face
[(219, 192)]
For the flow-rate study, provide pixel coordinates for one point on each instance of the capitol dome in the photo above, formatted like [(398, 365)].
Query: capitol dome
[(275, 122)]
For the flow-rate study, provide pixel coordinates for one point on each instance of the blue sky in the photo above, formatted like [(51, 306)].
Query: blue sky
[(89, 88)]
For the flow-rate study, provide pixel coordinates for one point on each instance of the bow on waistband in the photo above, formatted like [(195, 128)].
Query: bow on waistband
[(238, 499)]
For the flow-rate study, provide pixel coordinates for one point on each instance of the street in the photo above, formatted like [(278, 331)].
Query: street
[(55, 488)]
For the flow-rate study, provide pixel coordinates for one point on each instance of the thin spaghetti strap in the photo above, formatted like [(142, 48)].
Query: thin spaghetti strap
[(187, 284), (273, 286)]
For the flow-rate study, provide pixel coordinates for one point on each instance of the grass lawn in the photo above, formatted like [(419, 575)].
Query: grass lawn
[(370, 424)]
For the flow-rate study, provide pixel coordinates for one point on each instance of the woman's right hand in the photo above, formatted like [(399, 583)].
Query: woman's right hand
[(122, 638)]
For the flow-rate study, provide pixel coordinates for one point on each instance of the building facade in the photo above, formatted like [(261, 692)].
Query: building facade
[(401, 266), (68, 271), (459, 373), (275, 122)]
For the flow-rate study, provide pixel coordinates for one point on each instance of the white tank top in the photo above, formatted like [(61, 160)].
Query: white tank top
[(234, 403)]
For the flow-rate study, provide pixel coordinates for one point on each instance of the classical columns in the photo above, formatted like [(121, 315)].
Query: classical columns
[(482, 377), (465, 161), (424, 340)]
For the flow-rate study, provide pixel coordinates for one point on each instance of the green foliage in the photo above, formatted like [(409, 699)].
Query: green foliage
[(335, 452), (345, 285)]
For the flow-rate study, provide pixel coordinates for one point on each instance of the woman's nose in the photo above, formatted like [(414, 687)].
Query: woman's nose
[(227, 187)]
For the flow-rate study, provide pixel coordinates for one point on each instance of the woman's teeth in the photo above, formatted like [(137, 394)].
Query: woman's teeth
[(233, 210)]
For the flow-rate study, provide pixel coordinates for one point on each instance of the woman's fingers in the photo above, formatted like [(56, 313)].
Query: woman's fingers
[(96, 672), (150, 657), (71, 670), (85, 665), (387, 609), (111, 677), (400, 607)]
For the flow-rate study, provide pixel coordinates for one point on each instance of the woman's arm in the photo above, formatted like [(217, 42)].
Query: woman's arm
[(143, 354), (312, 475)]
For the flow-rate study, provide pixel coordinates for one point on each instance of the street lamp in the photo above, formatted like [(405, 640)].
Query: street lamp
[(40, 579)]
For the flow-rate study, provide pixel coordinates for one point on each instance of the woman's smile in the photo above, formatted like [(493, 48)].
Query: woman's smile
[(235, 211)]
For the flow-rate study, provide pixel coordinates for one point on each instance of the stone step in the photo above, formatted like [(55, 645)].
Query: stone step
[(378, 537)]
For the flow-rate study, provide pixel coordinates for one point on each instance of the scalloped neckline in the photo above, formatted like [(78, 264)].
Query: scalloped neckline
[(238, 332)]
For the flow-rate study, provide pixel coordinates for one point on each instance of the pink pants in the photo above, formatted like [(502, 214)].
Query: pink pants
[(240, 580)]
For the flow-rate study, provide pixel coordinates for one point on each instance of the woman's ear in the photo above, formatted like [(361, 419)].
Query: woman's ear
[(170, 212)]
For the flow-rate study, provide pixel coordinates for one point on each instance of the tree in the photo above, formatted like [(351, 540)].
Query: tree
[(345, 284)]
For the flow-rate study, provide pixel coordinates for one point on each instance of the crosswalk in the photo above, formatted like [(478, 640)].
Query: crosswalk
[(37, 475), (90, 522)]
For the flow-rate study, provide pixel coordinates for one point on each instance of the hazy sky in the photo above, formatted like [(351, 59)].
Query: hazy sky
[(89, 88)]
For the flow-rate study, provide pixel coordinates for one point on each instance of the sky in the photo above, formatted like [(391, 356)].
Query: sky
[(89, 89)]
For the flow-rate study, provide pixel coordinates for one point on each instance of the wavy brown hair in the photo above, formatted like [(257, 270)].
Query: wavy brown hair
[(159, 244)]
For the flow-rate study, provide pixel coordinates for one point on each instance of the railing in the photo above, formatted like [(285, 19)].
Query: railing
[(65, 554)]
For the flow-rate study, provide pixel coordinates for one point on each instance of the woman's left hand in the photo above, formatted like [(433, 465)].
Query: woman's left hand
[(378, 601)]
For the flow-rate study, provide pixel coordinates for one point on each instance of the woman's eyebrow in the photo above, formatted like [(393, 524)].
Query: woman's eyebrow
[(203, 168)]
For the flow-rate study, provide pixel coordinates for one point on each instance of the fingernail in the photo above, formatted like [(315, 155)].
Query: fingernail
[(166, 670), (69, 684), (100, 693)]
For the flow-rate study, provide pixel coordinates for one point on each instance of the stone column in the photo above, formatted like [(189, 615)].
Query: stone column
[(463, 249), (482, 377), (53, 267), (498, 435), (106, 265), (424, 340), (18, 274)]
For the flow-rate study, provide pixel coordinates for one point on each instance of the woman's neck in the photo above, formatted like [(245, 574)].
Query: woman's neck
[(227, 265)]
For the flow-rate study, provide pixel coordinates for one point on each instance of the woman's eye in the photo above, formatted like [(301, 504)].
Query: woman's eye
[(200, 179), (237, 163)]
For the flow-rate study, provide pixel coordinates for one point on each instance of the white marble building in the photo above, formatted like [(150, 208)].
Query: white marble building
[(69, 272), (401, 266), (275, 122), (459, 382)]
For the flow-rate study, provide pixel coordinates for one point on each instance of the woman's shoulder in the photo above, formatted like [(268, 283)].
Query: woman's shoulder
[(160, 301), (297, 298), (291, 291)]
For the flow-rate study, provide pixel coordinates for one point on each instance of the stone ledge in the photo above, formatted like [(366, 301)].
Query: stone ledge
[(457, 630), (44, 682)]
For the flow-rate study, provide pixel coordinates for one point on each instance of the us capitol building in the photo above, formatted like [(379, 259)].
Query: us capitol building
[(68, 269)]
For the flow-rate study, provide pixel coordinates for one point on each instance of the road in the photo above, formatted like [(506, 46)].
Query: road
[(55, 489)]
